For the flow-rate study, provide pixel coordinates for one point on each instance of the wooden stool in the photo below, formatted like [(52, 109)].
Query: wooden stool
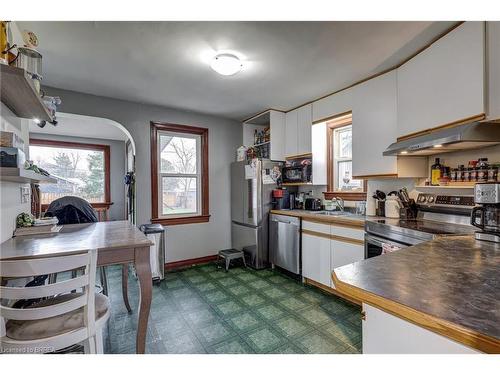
[(231, 254)]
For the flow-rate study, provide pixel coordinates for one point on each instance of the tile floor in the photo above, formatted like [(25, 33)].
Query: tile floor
[(206, 310)]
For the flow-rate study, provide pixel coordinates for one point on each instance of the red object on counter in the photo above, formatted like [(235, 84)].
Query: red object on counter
[(278, 193)]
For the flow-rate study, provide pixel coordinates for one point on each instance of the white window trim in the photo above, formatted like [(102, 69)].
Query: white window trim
[(197, 175), (337, 160)]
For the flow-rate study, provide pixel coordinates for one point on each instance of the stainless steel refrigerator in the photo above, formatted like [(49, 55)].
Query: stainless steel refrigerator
[(251, 190)]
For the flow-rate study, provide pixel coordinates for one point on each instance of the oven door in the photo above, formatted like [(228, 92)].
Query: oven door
[(374, 245)]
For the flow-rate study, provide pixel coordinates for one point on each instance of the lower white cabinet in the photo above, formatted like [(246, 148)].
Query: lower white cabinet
[(384, 333), (316, 258), (321, 253)]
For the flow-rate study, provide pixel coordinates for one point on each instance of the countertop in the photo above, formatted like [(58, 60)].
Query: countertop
[(350, 220), (450, 285)]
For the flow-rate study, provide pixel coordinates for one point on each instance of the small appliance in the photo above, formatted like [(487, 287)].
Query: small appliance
[(312, 204), (297, 174), (487, 216), (281, 199)]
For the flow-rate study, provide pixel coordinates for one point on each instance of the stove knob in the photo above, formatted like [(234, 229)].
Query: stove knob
[(421, 198), (430, 199)]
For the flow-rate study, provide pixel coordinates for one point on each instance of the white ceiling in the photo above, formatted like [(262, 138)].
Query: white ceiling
[(82, 126), (165, 63)]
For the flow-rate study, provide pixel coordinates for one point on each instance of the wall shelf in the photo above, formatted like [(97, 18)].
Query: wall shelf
[(296, 183), (20, 96), (430, 187), (24, 176)]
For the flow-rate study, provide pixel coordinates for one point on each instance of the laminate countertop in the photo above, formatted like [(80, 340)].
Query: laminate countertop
[(450, 285), (316, 216)]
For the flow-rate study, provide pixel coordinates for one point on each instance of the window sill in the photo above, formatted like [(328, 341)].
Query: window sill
[(347, 196), (105, 205), (182, 220)]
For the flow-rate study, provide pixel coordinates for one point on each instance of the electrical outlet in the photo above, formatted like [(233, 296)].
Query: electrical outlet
[(25, 194)]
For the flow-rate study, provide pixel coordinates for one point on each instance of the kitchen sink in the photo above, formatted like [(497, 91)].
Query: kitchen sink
[(336, 213)]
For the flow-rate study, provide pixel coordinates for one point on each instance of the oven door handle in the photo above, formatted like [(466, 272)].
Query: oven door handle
[(379, 242)]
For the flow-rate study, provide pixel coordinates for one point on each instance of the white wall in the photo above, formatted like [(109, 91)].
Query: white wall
[(10, 194), (117, 168), (183, 241)]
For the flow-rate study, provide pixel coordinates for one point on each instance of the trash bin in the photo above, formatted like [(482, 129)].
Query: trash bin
[(156, 233)]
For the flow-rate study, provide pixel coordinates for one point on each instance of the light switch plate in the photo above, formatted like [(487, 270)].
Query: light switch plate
[(25, 194)]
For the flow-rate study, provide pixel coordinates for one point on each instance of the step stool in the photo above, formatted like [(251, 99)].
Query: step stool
[(230, 254)]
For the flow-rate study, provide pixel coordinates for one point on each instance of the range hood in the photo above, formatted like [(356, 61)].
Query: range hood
[(458, 138)]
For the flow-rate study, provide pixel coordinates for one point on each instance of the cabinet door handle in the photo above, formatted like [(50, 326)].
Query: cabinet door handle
[(363, 315)]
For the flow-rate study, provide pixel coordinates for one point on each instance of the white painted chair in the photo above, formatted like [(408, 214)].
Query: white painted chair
[(59, 321)]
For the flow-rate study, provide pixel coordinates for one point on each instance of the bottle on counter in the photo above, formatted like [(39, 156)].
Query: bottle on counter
[(436, 171), (460, 173), (453, 174)]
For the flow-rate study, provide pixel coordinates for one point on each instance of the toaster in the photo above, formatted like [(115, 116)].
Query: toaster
[(312, 204)]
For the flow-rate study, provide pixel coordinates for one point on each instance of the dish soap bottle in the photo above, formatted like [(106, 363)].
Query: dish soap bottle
[(435, 173)]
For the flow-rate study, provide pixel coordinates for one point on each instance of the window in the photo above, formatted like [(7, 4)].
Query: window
[(339, 140), (179, 174), (81, 170)]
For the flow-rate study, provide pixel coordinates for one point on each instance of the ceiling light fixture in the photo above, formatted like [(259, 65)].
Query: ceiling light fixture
[(226, 64), (437, 146), (404, 152)]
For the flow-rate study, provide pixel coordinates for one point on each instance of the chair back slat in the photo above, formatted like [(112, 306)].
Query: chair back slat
[(46, 311), (65, 286), (43, 266)]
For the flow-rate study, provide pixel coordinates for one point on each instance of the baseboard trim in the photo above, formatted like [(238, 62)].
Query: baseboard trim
[(189, 262)]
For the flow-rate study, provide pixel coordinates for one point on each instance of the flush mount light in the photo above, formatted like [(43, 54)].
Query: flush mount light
[(404, 152), (226, 64), (437, 146)]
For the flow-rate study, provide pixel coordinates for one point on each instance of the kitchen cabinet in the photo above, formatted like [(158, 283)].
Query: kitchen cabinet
[(291, 133), (316, 258), (298, 132), (332, 105), (404, 337), (273, 119), (493, 69), (325, 247), (374, 126), (445, 83), (304, 131)]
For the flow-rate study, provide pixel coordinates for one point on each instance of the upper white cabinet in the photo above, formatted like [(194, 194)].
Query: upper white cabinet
[(445, 83), (298, 131), (291, 132), (304, 131), (374, 126), (493, 69), (273, 119), (332, 105)]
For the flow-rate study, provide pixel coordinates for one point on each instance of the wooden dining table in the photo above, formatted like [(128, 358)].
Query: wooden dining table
[(117, 243)]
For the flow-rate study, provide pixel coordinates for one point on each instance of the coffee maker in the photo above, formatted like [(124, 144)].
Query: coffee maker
[(487, 216)]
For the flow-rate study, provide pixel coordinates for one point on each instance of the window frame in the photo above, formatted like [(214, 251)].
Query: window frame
[(332, 124), (82, 146), (202, 215)]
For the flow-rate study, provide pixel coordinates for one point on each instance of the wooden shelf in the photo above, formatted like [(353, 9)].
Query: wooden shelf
[(261, 144), (296, 183), (24, 176), (468, 186), (19, 94)]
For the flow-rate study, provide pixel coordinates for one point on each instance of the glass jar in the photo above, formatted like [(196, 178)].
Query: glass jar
[(466, 174), (482, 170), (460, 173), (493, 174), (453, 174)]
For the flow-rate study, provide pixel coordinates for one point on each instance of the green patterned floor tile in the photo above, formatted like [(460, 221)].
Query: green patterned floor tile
[(312, 297), (315, 315), (201, 316), (353, 349), (293, 303), (291, 326), (288, 348), (228, 281), (343, 331), (171, 326), (247, 277), (293, 287), (195, 279), (232, 346), (238, 290), (205, 287), (228, 308), (278, 279), (271, 312), (265, 273), (252, 299), (214, 333), (175, 283), (216, 296), (191, 272), (264, 340), (337, 306), (316, 343), (274, 293), (219, 274), (192, 303), (182, 293), (184, 343), (259, 284), (245, 321)]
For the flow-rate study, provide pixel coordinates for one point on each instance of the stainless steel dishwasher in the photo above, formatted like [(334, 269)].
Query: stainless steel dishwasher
[(284, 242)]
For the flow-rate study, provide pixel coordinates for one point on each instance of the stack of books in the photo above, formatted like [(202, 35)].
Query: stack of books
[(40, 226)]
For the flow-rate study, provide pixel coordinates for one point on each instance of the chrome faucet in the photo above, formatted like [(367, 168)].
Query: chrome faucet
[(339, 202)]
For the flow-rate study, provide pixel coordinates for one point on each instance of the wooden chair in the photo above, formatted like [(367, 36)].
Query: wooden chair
[(60, 318)]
